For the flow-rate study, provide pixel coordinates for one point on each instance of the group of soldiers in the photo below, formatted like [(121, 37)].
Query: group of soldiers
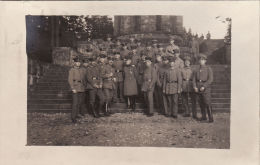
[(130, 72)]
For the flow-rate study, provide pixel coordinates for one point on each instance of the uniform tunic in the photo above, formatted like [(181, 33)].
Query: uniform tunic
[(186, 74), (172, 81), (130, 83), (124, 53), (179, 63), (76, 79), (118, 65), (135, 59), (149, 78)]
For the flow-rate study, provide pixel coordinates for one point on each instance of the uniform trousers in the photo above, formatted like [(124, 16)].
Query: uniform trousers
[(204, 99), (185, 103), (148, 99), (77, 104), (108, 95), (119, 87), (172, 104), (96, 93)]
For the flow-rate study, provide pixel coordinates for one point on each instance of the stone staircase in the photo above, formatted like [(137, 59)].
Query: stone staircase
[(52, 92)]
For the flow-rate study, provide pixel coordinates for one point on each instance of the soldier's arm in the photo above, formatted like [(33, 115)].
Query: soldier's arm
[(164, 81), (210, 78), (179, 80), (89, 78), (70, 79), (154, 76)]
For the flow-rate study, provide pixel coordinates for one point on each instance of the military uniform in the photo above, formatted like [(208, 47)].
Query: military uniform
[(124, 53), (130, 84), (160, 69), (171, 87), (179, 63), (187, 91), (94, 86), (108, 77), (203, 77), (76, 82), (149, 80), (118, 66), (170, 49)]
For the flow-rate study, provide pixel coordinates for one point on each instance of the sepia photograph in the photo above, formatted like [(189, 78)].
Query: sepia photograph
[(128, 80)]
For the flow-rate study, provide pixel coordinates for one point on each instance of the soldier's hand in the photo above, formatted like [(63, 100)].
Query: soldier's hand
[(202, 89), (196, 89), (74, 91)]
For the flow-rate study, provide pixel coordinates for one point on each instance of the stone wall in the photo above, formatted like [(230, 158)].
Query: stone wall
[(147, 24)]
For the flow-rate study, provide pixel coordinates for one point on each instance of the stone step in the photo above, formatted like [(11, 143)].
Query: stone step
[(54, 91), (41, 110), (69, 96), (65, 87), (115, 105), (65, 80)]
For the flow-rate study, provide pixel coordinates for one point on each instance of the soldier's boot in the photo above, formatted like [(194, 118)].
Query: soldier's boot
[(203, 113), (210, 115), (105, 110), (133, 104), (194, 113), (93, 111)]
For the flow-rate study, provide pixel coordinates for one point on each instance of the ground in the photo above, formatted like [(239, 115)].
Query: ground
[(124, 129)]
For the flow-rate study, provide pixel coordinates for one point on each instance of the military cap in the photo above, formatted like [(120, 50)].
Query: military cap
[(148, 58), (109, 58), (187, 58), (102, 56), (76, 59), (202, 56), (128, 57), (133, 47), (176, 51), (85, 60), (171, 59), (164, 58), (90, 59), (116, 52)]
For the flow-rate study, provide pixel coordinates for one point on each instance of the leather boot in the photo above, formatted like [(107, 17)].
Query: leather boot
[(133, 104), (203, 113), (210, 115), (93, 111), (106, 110)]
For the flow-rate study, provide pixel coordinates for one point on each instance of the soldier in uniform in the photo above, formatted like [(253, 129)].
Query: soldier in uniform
[(170, 48), (124, 52), (149, 80), (157, 90), (178, 62), (202, 79), (130, 83), (108, 77), (135, 57), (139, 48), (161, 74), (118, 66), (149, 52), (172, 87), (108, 43), (155, 47), (161, 50), (131, 43), (187, 89), (140, 70), (76, 82), (86, 98), (94, 86)]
